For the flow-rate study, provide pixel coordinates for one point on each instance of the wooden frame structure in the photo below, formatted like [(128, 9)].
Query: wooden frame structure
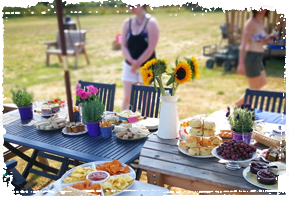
[(235, 20)]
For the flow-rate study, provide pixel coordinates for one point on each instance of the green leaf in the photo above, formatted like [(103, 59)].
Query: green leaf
[(22, 98), (171, 80), (177, 61)]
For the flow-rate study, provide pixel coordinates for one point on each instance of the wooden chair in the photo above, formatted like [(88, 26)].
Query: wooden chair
[(146, 99), (271, 101), (75, 45), (106, 93)]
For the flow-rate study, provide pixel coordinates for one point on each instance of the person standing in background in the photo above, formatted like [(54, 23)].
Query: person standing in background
[(251, 51), (139, 39)]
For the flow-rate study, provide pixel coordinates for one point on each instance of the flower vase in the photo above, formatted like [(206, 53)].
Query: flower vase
[(169, 118), (245, 137)]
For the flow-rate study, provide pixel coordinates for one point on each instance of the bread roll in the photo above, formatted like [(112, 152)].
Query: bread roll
[(183, 145), (206, 142), (209, 125), (196, 131), (216, 140), (195, 123), (194, 151), (209, 132), (205, 150), (191, 142)]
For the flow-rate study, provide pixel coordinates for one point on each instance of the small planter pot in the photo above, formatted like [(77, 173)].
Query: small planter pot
[(93, 128), (106, 132), (26, 112), (246, 137)]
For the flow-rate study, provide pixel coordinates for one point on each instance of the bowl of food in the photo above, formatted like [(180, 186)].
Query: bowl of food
[(97, 177)]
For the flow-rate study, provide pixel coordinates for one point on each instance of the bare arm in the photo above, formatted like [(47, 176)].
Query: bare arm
[(247, 33), (124, 48), (153, 37)]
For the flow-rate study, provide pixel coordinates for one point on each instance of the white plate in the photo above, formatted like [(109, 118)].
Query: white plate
[(150, 123), (132, 139), (245, 171), (94, 165), (48, 115), (214, 152), (72, 133), (196, 156)]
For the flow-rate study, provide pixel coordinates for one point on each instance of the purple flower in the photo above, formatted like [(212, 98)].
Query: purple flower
[(238, 116), (248, 106), (228, 113), (242, 106), (228, 108), (253, 117)]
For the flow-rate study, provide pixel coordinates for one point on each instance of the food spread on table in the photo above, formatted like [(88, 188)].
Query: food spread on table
[(116, 184), (51, 123), (78, 174), (202, 139), (128, 131), (49, 109), (74, 127), (226, 134), (266, 177), (105, 123), (113, 168), (69, 191)]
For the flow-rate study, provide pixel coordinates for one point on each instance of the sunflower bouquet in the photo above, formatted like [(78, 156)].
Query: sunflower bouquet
[(152, 71), (185, 71)]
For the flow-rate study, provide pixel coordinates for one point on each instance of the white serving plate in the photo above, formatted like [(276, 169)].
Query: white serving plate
[(214, 152), (72, 133), (246, 170), (94, 165), (195, 156), (54, 129), (149, 123)]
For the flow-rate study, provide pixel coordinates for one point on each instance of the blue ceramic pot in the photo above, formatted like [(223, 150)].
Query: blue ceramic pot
[(26, 112)]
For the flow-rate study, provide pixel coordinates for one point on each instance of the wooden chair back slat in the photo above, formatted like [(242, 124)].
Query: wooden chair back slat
[(147, 101), (106, 93)]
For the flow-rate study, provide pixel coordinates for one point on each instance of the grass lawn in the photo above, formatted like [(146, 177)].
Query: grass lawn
[(183, 35)]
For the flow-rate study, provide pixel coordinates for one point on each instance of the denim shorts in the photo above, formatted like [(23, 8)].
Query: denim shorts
[(253, 64)]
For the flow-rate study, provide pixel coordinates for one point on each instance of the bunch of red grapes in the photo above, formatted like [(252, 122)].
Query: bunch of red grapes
[(235, 150)]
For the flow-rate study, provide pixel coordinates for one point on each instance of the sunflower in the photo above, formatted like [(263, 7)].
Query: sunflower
[(148, 64), (195, 68), (147, 77), (183, 73)]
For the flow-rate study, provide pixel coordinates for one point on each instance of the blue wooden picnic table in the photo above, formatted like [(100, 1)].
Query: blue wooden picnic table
[(83, 148)]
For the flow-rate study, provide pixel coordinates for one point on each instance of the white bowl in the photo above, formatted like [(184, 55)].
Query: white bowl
[(99, 181)]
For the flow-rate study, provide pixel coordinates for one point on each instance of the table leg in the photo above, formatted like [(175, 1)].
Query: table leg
[(28, 159), (63, 167), (30, 164), (155, 178)]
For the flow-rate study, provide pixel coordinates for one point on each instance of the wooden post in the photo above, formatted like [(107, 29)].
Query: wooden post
[(155, 178), (231, 36), (64, 58), (227, 23)]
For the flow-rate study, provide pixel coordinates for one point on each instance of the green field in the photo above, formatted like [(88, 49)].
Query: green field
[(183, 35)]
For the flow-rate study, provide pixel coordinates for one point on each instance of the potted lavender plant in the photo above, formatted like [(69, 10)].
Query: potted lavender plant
[(242, 122)]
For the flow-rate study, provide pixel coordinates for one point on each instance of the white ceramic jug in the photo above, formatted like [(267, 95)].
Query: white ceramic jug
[(169, 118)]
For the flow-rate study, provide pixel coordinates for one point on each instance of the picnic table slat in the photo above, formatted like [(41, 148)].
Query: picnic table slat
[(181, 159), (195, 174)]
